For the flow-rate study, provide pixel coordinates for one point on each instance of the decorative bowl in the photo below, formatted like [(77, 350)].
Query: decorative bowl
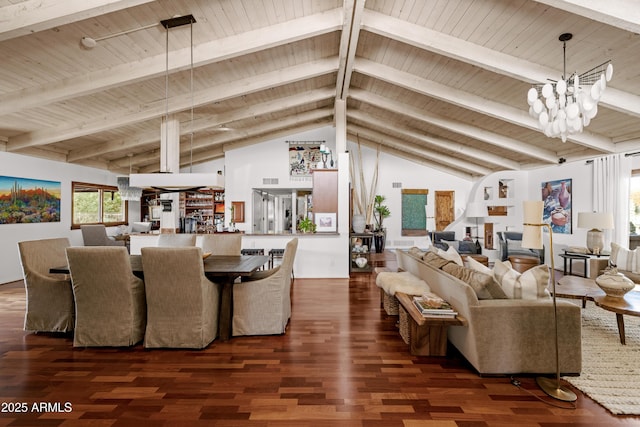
[(559, 217), (614, 284), (361, 262)]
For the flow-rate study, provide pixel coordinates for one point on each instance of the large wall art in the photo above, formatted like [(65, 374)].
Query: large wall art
[(556, 196), (414, 213), (24, 200)]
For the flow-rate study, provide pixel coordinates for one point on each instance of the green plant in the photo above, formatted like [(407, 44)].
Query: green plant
[(307, 226), (380, 211)]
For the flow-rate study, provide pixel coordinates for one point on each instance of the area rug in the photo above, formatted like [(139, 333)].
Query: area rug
[(610, 371)]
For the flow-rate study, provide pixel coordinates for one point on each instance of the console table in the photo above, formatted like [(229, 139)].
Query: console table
[(427, 335)]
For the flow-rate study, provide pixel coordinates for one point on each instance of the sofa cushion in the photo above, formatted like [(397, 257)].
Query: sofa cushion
[(417, 252), (532, 284), (434, 260), (494, 288), (451, 254), (403, 281), (451, 243), (479, 282), (624, 258)]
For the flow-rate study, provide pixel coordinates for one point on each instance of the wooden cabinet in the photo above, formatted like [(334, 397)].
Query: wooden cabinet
[(325, 195), (238, 212)]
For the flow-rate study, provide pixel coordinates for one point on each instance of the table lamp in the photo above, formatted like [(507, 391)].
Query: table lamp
[(596, 222), (532, 238), (476, 210)]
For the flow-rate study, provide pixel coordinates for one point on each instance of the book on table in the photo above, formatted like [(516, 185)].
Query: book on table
[(433, 305)]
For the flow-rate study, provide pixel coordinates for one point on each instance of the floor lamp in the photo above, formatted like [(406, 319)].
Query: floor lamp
[(532, 238)]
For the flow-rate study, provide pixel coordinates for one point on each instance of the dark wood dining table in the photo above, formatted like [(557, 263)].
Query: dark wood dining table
[(222, 269)]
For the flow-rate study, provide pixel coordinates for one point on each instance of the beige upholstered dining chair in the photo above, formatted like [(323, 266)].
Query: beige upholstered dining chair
[(168, 240), (182, 304), (222, 243), (49, 305), (96, 235), (110, 300), (263, 307)]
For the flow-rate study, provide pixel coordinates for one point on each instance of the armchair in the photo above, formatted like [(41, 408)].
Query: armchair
[(49, 305), (443, 239), (510, 243), (263, 307), (182, 304), (96, 235), (110, 300)]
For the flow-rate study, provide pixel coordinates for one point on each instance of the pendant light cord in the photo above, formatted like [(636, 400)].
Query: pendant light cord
[(191, 133), (166, 97)]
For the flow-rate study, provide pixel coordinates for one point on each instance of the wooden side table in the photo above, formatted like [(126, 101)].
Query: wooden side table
[(482, 259), (427, 335), (522, 263)]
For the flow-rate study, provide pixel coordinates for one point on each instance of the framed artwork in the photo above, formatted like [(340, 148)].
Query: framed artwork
[(326, 222), (556, 196), (25, 201), (414, 212), (303, 156)]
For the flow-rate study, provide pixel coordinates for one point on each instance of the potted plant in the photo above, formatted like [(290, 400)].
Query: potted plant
[(380, 212), (306, 226)]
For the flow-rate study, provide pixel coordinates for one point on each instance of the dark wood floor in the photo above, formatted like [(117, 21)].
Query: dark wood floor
[(340, 363)]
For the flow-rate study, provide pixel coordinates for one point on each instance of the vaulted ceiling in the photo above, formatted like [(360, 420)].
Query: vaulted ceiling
[(439, 82)]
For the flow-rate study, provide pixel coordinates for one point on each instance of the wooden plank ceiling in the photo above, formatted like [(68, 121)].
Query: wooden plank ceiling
[(439, 82)]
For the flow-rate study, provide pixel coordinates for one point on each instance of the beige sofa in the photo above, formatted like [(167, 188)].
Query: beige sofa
[(504, 336)]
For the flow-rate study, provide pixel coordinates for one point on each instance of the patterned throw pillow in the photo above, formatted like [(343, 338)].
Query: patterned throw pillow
[(493, 288), (481, 283)]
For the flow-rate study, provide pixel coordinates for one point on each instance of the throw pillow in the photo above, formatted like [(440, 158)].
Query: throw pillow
[(532, 284), (514, 246), (479, 282), (435, 260), (417, 252), (451, 254), (624, 258), (494, 287)]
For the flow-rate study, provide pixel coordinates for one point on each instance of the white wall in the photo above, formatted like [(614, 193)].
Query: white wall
[(30, 167)]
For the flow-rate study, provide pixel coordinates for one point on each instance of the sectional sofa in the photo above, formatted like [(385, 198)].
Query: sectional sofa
[(502, 336)]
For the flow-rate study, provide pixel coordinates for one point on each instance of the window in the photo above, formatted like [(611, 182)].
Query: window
[(634, 203), (97, 204)]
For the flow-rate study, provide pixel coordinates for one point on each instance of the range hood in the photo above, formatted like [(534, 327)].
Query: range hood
[(169, 181)]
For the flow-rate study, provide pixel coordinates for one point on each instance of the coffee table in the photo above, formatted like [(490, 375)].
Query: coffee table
[(629, 305), (578, 288)]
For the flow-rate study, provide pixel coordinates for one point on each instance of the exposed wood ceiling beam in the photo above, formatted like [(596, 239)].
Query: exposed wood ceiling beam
[(488, 59), (619, 13), (204, 54), (348, 45), (202, 124), (178, 103), (376, 127), (375, 142), (470, 101), (32, 16), (457, 127)]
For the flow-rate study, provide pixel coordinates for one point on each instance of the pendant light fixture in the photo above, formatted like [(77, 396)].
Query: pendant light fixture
[(174, 181), (566, 106)]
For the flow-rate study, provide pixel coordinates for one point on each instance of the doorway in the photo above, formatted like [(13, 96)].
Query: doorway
[(444, 209)]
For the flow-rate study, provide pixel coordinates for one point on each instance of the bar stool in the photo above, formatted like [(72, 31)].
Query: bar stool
[(253, 251), (277, 253)]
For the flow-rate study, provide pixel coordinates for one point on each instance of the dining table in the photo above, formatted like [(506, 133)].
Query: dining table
[(222, 269)]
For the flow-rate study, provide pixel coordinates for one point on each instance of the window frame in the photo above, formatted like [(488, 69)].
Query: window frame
[(102, 188)]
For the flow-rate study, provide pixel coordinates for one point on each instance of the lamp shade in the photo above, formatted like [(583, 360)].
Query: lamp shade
[(476, 210), (595, 220), (532, 232)]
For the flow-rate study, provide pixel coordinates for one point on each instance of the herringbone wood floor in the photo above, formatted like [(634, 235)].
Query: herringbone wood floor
[(340, 363)]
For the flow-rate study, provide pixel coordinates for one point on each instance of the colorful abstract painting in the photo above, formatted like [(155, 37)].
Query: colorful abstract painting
[(303, 156), (556, 196), (24, 200)]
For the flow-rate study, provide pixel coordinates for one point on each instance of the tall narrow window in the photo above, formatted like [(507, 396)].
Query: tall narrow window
[(97, 204)]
